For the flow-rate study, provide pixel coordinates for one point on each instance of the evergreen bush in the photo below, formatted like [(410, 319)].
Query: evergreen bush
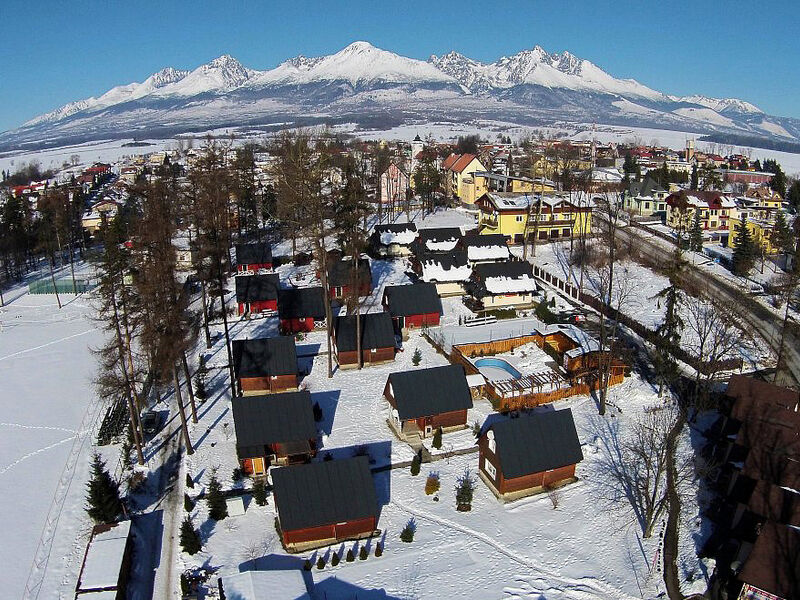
[(217, 508), (437, 439), (307, 565), (378, 549), (190, 538), (416, 358), (350, 557), (407, 535), (104, 503), (335, 559), (363, 554), (432, 484), (465, 487), (415, 463), (189, 481), (259, 492), (320, 563), (188, 503)]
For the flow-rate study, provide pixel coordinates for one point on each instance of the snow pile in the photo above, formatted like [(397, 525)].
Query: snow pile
[(476, 253), (507, 285), (403, 238)]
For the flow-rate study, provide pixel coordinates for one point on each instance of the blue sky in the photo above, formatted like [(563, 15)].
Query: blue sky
[(56, 52)]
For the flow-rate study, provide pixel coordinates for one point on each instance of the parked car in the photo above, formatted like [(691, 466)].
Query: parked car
[(151, 422)]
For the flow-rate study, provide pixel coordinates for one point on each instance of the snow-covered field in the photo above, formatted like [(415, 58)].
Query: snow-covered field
[(47, 404)]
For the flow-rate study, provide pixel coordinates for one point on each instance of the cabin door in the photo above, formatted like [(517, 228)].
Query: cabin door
[(258, 466)]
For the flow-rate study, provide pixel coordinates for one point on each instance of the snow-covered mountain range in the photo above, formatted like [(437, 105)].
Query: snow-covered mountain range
[(370, 86)]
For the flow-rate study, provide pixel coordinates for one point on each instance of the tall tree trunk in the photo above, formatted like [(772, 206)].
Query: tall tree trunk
[(221, 282), (188, 376), (53, 280), (181, 411), (133, 414), (205, 314)]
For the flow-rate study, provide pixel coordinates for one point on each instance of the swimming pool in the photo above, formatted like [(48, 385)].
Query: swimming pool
[(497, 368)]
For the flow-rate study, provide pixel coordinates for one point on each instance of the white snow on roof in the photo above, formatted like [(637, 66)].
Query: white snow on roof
[(507, 285), (404, 238), (499, 252), (266, 585), (442, 246), (104, 558), (475, 380), (433, 271)]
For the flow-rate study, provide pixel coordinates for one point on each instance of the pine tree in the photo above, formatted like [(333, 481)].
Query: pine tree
[(669, 332), (259, 492), (363, 554), (189, 481), (695, 178), (416, 358), (105, 505), (350, 557), (744, 252), (200, 380), (696, 233), (190, 538), (437, 439), (378, 550), (335, 559), (782, 238), (217, 507), (188, 503), (465, 487), (320, 563)]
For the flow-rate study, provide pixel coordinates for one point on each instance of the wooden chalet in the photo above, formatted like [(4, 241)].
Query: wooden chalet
[(277, 429), (106, 566), (301, 309), (448, 271), (502, 285), (324, 503), (377, 339), (487, 248), (252, 257), (521, 456), (256, 294), (393, 239), (412, 306), (340, 277), (265, 365), (423, 400)]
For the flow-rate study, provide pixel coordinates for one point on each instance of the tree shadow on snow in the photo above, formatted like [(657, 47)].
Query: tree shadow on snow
[(328, 401)]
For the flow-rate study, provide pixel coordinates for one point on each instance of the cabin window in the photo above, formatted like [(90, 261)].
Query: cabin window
[(520, 218), (489, 468), (337, 291), (492, 446), (273, 377), (373, 350)]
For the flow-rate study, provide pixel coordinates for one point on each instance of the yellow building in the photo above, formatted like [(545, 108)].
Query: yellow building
[(760, 229), (508, 214), (494, 182), (458, 177)]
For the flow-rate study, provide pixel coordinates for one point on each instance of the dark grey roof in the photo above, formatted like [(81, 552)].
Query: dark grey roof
[(414, 299), (646, 187), (272, 419), (439, 234), (426, 392), (537, 442), (253, 288), (377, 331), (324, 493), (253, 253), (489, 239), (264, 357), (340, 272), (301, 303), (447, 260), (395, 227), (513, 269)]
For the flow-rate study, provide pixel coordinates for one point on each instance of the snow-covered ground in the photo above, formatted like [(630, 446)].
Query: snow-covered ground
[(640, 286), (48, 407)]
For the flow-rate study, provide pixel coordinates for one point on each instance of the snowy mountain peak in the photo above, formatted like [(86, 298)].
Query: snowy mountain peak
[(358, 48), (721, 105)]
